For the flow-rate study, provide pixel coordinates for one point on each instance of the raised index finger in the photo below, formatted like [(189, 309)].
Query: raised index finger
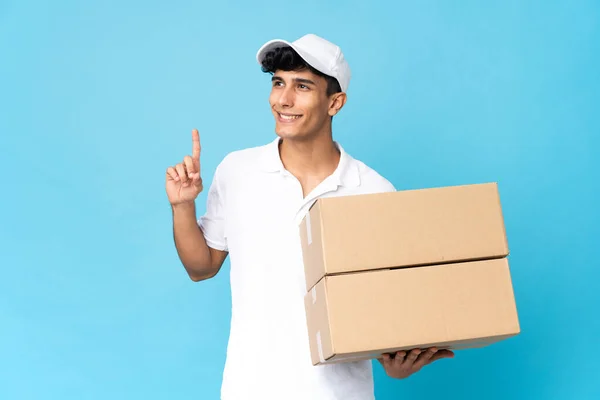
[(196, 147)]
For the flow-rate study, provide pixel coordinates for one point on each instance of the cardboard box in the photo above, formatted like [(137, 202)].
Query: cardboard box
[(363, 315), (404, 228)]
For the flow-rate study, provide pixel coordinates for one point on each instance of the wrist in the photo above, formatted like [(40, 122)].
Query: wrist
[(185, 207)]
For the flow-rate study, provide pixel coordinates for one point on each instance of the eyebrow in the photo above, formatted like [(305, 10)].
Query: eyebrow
[(297, 80)]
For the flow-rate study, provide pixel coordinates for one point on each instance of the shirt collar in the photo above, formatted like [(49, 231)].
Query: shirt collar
[(346, 173)]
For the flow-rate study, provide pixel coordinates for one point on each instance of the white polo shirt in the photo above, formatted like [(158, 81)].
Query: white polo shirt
[(254, 207)]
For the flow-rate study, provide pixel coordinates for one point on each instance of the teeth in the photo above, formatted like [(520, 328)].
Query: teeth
[(289, 117)]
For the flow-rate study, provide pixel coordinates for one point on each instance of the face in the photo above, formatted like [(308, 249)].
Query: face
[(300, 104)]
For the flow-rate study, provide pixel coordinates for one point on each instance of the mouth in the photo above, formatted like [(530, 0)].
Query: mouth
[(287, 118)]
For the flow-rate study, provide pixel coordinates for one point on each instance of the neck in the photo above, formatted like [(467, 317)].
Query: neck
[(316, 157)]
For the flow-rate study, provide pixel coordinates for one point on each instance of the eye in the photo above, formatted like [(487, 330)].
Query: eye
[(277, 83), (303, 87)]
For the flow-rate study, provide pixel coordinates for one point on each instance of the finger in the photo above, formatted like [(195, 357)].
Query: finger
[(189, 166), (412, 357), (196, 148), (172, 174), (399, 358), (386, 360), (425, 357), (182, 173)]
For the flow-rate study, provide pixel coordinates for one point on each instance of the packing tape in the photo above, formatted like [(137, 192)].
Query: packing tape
[(320, 347), (308, 229), (314, 294)]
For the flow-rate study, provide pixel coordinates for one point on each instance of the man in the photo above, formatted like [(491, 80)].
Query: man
[(255, 202)]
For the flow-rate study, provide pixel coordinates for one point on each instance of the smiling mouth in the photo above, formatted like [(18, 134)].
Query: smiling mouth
[(288, 117)]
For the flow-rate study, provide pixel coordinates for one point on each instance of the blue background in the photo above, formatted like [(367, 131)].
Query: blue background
[(97, 99)]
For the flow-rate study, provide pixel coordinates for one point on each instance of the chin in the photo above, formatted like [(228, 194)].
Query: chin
[(287, 133)]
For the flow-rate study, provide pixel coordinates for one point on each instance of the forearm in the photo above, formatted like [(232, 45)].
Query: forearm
[(191, 246)]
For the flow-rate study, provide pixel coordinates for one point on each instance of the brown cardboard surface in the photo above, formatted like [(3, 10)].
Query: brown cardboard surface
[(365, 314), (404, 228)]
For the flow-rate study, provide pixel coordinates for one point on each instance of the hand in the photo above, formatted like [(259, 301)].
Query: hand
[(184, 183), (402, 365)]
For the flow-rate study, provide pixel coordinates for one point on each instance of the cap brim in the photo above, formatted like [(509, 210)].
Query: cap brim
[(273, 44), (270, 45)]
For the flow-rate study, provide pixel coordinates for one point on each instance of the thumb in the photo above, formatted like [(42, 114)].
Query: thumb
[(442, 354), (196, 180)]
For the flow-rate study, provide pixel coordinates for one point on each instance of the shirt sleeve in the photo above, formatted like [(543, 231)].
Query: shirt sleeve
[(212, 223), (388, 187)]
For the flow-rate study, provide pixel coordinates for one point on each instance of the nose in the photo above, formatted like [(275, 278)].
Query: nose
[(286, 97)]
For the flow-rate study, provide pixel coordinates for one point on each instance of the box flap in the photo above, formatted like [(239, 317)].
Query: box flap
[(312, 245), (317, 318)]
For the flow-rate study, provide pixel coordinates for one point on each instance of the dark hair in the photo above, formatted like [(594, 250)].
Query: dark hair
[(286, 59)]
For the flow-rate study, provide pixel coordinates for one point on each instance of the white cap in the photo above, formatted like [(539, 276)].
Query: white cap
[(319, 53)]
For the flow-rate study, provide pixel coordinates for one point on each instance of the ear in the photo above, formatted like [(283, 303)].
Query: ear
[(336, 102)]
